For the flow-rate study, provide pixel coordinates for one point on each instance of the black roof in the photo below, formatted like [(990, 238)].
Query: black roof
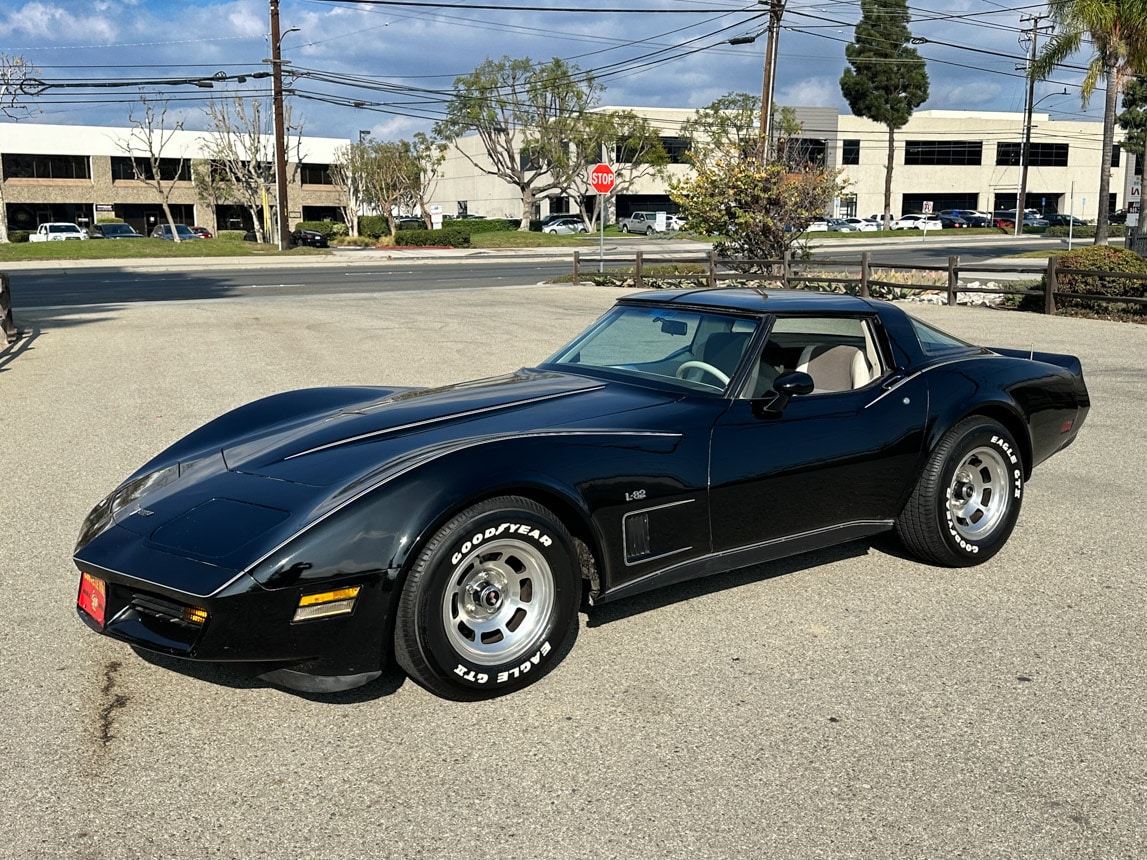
[(753, 301)]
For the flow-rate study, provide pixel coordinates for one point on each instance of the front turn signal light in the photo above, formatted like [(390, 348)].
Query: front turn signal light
[(340, 601)]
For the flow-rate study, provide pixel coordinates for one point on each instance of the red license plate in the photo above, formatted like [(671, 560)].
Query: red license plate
[(93, 597)]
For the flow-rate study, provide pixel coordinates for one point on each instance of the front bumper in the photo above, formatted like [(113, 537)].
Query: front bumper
[(252, 624)]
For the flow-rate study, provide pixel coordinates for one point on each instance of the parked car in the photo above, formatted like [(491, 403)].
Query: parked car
[(1119, 216), (310, 238), (639, 222), (864, 225), (553, 216), (1059, 219), (951, 221), (163, 231), (916, 222), (674, 222), (57, 231), (561, 226), (970, 216), (834, 225), (409, 222), (316, 533), (202, 232), (113, 230)]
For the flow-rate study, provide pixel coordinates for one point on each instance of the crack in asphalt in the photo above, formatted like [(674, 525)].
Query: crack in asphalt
[(112, 702)]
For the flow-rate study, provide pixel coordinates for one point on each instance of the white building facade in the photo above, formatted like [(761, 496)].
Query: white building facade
[(83, 174), (945, 159)]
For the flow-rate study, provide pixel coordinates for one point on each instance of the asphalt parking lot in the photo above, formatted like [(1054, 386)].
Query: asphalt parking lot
[(846, 704)]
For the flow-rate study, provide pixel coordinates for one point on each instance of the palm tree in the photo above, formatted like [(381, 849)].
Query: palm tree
[(1116, 31)]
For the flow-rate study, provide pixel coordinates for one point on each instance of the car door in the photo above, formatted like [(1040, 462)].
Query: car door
[(839, 458)]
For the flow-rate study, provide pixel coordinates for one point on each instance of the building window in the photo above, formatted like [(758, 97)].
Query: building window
[(677, 148), (47, 167), (1039, 154), (170, 169), (850, 152), (940, 201), (928, 152), (1116, 151), (315, 174), (802, 151)]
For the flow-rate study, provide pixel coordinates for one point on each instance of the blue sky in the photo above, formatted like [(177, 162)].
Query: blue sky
[(398, 61)]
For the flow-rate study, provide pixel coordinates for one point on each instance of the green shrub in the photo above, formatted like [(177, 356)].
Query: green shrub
[(18, 235), (231, 234), (353, 242), (482, 225), (327, 228), (1096, 258), (447, 236), (112, 220), (1087, 232), (373, 226)]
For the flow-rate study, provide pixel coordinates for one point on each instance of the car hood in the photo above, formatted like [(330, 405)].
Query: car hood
[(342, 443)]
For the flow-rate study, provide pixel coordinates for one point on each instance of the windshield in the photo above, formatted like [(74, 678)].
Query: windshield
[(690, 348)]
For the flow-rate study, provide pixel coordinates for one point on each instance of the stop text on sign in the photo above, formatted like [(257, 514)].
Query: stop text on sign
[(601, 177)]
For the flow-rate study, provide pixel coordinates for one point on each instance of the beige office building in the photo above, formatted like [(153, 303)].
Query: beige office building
[(945, 159), (84, 173)]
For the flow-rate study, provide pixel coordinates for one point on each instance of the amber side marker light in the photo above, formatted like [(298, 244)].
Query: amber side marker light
[(327, 603), (194, 615)]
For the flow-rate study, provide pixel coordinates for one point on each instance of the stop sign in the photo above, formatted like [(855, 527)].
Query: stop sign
[(601, 178)]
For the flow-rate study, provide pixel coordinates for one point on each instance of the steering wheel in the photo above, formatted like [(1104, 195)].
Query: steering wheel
[(703, 366)]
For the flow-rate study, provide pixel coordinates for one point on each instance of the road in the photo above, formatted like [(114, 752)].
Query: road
[(87, 284)]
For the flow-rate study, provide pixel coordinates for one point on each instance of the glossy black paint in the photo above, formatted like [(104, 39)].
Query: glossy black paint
[(324, 488)]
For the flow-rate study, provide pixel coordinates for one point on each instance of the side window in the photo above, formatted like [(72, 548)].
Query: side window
[(839, 353)]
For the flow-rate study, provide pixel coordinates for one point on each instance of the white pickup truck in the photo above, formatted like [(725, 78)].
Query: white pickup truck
[(57, 231)]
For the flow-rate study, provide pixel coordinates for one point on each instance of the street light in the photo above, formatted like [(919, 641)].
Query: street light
[(768, 82), (282, 219), (1025, 156)]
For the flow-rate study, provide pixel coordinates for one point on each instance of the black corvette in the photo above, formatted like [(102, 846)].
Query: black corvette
[(313, 534)]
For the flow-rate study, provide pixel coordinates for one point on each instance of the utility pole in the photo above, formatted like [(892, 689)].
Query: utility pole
[(282, 218), (768, 84), (1029, 106)]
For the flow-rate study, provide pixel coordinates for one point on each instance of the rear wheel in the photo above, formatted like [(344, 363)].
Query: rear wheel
[(968, 497), (491, 603)]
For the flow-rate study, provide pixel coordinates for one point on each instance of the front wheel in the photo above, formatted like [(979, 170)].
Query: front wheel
[(491, 602), (968, 497)]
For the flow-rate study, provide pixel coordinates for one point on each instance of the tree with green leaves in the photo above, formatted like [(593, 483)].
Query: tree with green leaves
[(627, 142), (524, 114), (386, 175), (15, 75), (1115, 31), (728, 124), (887, 80), (756, 211)]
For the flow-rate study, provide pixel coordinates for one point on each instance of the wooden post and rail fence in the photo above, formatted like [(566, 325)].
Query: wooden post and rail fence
[(789, 274)]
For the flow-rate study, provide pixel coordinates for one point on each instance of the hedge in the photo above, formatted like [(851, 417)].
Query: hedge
[(1087, 232), (448, 236), (18, 235), (1096, 258), (327, 228)]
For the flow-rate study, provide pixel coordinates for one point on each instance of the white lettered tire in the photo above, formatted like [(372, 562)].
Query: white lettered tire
[(490, 604), (968, 496)]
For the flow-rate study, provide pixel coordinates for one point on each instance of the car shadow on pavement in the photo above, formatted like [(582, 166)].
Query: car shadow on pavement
[(241, 677), (674, 594)]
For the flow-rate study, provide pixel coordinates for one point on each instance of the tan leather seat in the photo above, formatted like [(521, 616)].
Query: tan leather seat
[(835, 368)]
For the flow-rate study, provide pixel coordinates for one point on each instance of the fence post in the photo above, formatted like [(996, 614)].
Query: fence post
[(953, 279), (787, 267), (1051, 286), (7, 326), (712, 269), (577, 267), (638, 275), (865, 273)]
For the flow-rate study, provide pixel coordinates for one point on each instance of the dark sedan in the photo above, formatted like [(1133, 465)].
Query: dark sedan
[(310, 238), (314, 534), (1058, 219)]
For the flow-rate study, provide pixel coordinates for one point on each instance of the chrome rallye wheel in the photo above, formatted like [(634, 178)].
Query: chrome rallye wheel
[(968, 497), (491, 603)]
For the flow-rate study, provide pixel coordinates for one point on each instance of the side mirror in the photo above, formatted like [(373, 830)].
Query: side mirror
[(787, 386)]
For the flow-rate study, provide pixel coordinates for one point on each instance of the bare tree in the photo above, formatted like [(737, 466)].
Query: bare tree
[(242, 150), (348, 172), (151, 137), (429, 154), (15, 77)]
